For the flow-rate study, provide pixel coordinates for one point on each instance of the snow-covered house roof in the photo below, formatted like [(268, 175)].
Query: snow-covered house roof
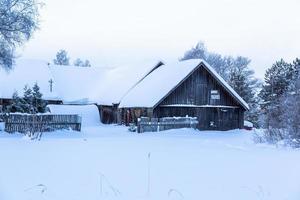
[(76, 85), (26, 72), (118, 81), (71, 84), (158, 84)]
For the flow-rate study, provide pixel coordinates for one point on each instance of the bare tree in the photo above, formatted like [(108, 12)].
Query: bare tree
[(18, 21)]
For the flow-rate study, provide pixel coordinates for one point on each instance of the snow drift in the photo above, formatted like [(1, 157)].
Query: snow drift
[(89, 113)]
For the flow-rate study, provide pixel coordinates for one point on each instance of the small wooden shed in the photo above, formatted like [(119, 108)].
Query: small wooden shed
[(185, 88)]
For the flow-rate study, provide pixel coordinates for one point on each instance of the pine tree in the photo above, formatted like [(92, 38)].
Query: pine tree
[(31, 102), (277, 81), (78, 62), (199, 51), (38, 103), (242, 79), (62, 58), (86, 63), (27, 100), (296, 72), (290, 117), (219, 63), (16, 105)]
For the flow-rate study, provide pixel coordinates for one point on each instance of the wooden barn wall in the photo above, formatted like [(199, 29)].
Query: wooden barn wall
[(209, 118), (195, 90), (108, 114), (130, 115)]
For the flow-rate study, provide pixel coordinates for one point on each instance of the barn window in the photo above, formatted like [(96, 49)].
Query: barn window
[(214, 94)]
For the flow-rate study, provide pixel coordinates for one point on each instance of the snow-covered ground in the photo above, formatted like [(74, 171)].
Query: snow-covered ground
[(108, 162)]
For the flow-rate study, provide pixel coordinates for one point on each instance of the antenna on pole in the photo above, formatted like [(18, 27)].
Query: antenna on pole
[(51, 84)]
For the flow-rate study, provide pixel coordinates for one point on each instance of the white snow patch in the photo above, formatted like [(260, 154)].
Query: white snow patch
[(89, 113), (248, 124)]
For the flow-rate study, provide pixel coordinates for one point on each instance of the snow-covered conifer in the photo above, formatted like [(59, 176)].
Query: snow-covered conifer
[(62, 58), (38, 103), (80, 63)]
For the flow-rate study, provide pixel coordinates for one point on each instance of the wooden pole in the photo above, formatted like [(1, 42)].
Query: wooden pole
[(149, 165)]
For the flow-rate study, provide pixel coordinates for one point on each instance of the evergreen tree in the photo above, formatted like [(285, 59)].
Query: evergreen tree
[(38, 103), (295, 74), (199, 51), (27, 100), (242, 79), (78, 62), (290, 116), (219, 63), (16, 105), (277, 81), (31, 102), (86, 63), (62, 58)]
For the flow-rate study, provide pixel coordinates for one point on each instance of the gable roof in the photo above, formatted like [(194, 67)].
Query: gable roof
[(161, 82)]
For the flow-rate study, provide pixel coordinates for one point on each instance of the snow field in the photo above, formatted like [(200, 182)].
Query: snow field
[(108, 162)]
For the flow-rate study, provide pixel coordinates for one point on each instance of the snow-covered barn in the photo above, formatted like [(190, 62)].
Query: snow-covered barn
[(122, 94), (184, 88)]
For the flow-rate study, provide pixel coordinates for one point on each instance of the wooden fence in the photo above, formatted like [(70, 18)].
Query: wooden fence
[(40, 123), (146, 124)]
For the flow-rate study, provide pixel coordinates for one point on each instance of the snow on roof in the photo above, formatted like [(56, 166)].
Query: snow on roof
[(116, 82), (157, 84), (76, 85), (71, 84), (26, 72), (160, 82)]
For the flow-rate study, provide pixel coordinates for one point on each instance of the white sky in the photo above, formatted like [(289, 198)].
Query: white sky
[(110, 32)]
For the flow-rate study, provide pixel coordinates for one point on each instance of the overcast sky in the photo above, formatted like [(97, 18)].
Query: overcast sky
[(111, 32)]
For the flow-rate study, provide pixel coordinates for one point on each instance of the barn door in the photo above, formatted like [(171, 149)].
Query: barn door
[(215, 119)]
